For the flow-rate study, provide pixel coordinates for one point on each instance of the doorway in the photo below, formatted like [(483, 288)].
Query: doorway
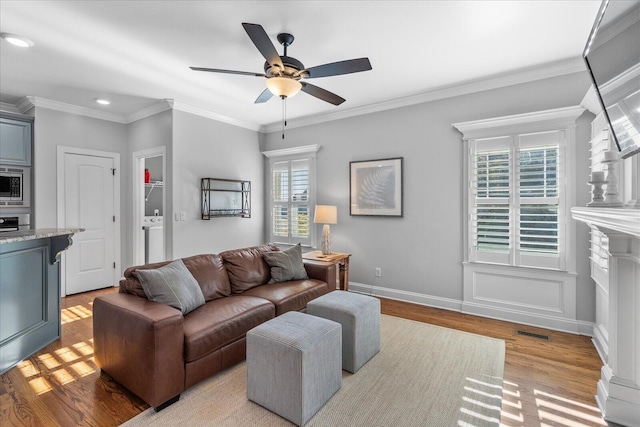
[(89, 198), (149, 206)]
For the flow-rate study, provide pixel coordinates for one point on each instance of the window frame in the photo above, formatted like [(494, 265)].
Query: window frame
[(512, 200), (290, 155), (511, 129)]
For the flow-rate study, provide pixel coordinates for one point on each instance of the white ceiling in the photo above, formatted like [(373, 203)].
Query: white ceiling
[(138, 52)]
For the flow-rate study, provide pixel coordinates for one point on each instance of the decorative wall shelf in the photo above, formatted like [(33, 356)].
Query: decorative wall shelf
[(225, 198)]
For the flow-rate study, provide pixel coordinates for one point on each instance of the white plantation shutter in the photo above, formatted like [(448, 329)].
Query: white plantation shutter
[(491, 190), (539, 200), (291, 201), (491, 215), (515, 200), (280, 199)]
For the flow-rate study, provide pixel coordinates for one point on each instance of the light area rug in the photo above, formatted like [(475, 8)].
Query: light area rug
[(424, 375)]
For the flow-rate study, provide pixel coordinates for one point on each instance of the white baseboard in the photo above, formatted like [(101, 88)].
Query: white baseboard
[(531, 319), (572, 326), (405, 296)]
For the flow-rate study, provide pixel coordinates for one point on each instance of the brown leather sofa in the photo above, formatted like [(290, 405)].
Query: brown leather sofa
[(157, 353)]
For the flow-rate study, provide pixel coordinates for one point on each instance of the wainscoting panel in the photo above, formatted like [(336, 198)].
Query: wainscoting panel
[(563, 319), (534, 293), (601, 328), (545, 298)]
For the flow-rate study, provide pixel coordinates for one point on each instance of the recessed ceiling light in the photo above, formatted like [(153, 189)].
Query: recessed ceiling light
[(102, 101), (17, 40)]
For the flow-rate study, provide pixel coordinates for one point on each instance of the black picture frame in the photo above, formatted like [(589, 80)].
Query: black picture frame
[(376, 187)]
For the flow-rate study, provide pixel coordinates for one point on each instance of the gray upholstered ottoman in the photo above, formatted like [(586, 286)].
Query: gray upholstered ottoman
[(359, 316), (294, 364)]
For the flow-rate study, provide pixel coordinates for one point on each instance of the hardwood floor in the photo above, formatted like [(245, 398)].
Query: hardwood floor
[(546, 382)]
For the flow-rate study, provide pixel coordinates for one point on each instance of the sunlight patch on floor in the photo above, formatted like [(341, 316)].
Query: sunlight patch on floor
[(62, 366), (479, 403), (511, 414), (77, 312), (557, 410), (479, 416), (550, 410), (40, 385), (49, 360)]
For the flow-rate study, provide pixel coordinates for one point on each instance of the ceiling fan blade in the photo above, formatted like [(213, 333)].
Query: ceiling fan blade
[(217, 70), (259, 37), (322, 94), (264, 97), (337, 68)]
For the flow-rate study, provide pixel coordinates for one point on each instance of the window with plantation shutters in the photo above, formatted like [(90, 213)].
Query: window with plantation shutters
[(515, 201), (291, 201)]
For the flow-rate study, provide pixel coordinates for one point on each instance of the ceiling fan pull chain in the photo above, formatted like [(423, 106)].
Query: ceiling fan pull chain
[(284, 113)]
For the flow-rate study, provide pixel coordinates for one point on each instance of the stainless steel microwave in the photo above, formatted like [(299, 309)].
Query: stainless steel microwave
[(15, 186)]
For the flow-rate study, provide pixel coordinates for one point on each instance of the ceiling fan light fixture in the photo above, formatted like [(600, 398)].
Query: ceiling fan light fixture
[(283, 86)]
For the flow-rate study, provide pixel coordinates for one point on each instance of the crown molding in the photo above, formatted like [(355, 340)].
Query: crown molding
[(10, 108), (153, 109), (25, 104), (528, 122), (555, 69), (34, 101), (591, 102), (176, 105), (29, 102)]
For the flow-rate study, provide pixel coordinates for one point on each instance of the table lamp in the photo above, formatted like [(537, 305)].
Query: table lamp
[(326, 215)]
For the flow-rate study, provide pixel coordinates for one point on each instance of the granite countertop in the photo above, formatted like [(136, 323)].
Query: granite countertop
[(39, 233)]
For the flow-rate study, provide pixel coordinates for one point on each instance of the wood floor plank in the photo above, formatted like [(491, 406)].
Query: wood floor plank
[(546, 382)]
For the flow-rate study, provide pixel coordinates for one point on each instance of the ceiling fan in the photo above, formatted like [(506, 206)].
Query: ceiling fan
[(284, 73)]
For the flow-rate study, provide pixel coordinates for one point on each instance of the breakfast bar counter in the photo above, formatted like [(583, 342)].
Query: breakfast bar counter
[(30, 291)]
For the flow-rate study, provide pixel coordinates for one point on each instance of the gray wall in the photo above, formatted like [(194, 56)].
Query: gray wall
[(204, 148), (55, 128), (150, 132), (196, 147), (422, 252)]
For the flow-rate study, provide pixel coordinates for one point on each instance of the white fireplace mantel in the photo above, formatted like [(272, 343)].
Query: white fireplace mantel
[(626, 221), (618, 393)]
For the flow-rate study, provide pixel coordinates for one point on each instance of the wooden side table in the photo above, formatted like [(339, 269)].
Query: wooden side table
[(340, 260)]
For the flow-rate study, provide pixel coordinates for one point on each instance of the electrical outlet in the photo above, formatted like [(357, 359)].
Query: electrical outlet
[(183, 216), (378, 272)]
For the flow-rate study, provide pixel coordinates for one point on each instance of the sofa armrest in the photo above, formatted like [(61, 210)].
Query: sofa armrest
[(140, 344), (321, 271)]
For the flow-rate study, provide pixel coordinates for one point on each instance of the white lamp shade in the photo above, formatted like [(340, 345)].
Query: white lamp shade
[(325, 214), (283, 86)]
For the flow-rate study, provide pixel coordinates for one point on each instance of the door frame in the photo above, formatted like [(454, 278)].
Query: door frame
[(138, 199), (62, 151)]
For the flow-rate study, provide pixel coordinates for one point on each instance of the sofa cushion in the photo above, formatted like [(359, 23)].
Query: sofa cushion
[(221, 322), (246, 267), (286, 265), (290, 296), (172, 285), (208, 270)]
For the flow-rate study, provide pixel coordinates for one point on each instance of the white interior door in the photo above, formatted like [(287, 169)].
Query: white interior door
[(89, 204)]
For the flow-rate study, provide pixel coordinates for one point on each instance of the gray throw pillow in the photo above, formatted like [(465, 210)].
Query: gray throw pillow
[(173, 285), (286, 265)]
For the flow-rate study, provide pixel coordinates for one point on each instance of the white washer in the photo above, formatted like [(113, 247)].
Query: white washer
[(153, 239)]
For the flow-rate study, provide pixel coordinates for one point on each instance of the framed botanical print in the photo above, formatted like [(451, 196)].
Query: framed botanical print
[(376, 187)]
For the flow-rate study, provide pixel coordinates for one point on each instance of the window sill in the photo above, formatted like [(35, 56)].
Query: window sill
[(527, 269)]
